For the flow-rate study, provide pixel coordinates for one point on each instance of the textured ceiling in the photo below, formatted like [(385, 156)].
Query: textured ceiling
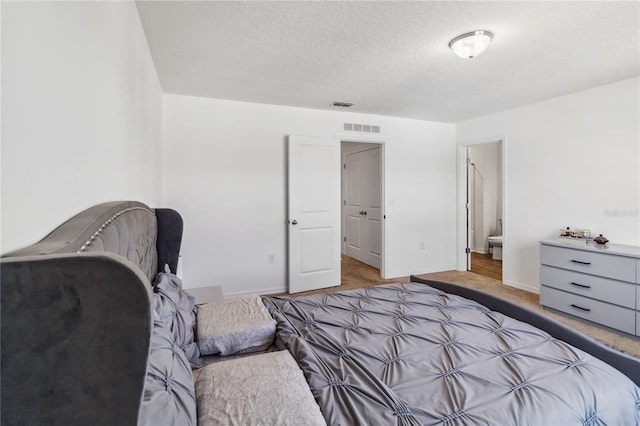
[(390, 58)]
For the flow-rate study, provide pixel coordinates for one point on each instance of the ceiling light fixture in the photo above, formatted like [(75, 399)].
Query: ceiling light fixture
[(471, 44)]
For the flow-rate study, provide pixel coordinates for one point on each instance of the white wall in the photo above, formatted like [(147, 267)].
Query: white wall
[(81, 113), (570, 161), (224, 170)]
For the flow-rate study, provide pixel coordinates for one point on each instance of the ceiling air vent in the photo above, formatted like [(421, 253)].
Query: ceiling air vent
[(367, 128), (343, 104)]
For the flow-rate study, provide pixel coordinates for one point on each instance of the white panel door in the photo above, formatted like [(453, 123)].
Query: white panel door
[(354, 207), (314, 213), (363, 206), (373, 207)]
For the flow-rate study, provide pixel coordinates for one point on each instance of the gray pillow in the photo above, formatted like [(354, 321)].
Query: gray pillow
[(169, 395), (177, 309), (233, 326)]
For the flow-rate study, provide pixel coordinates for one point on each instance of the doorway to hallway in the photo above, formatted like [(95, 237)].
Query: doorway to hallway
[(362, 203)]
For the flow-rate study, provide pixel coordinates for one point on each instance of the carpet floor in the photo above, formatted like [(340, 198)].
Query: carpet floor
[(356, 275)]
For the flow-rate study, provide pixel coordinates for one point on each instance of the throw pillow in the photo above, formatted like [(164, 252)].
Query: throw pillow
[(177, 309)]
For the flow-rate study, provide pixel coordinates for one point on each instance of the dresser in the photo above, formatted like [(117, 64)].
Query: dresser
[(594, 282)]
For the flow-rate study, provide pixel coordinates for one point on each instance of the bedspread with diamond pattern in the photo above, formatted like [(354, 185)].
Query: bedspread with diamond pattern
[(408, 354)]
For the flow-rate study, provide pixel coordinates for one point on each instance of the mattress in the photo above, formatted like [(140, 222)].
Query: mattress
[(410, 354)]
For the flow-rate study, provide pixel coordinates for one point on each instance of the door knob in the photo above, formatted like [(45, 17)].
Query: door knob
[(364, 212), (294, 222)]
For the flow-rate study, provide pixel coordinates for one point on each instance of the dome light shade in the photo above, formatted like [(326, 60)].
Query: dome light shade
[(471, 44)]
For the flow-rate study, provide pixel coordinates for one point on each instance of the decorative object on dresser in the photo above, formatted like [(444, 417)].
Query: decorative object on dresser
[(601, 239), (596, 282), (583, 233)]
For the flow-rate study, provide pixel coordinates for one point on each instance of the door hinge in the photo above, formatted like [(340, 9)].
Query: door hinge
[(467, 250), (344, 239), (344, 166), (467, 206), (468, 161)]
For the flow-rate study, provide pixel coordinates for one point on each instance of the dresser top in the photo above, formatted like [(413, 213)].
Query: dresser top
[(580, 244)]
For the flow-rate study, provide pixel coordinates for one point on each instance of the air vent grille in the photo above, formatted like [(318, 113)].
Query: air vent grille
[(366, 128)]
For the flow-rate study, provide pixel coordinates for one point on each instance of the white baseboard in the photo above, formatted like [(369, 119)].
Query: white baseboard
[(259, 292), (525, 287), (428, 271)]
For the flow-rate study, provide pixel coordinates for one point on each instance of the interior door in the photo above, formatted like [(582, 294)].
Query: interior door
[(363, 207), (314, 213), (354, 207), (373, 207)]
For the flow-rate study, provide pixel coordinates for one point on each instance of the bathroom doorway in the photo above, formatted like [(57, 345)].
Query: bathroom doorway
[(484, 208)]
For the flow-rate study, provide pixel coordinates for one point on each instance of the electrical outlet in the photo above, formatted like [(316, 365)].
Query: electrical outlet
[(272, 258)]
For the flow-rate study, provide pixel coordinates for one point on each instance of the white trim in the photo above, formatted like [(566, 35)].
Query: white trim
[(525, 287), (462, 256), (358, 137), (422, 272), (383, 232), (262, 291), (462, 224), (479, 251)]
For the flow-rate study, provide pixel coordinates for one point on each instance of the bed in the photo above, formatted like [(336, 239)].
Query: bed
[(77, 322), (97, 330), (76, 317), (410, 354)]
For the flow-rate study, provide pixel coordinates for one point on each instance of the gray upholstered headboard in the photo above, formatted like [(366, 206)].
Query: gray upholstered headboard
[(76, 316)]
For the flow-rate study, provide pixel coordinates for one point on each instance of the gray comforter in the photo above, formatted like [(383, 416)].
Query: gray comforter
[(409, 354)]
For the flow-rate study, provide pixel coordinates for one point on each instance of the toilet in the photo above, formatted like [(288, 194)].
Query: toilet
[(495, 245)]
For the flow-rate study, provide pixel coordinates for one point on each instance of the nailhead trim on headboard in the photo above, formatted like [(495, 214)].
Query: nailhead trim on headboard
[(108, 222)]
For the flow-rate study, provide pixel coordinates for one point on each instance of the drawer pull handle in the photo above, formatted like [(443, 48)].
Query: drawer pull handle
[(581, 308), (581, 262), (581, 285)]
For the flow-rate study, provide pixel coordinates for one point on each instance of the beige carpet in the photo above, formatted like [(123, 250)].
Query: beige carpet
[(357, 275)]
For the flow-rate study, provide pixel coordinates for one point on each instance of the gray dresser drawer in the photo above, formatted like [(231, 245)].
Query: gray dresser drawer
[(603, 313), (618, 292), (616, 267)]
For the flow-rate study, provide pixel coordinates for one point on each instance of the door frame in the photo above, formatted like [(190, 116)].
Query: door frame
[(344, 207), (462, 257), (383, 236)]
